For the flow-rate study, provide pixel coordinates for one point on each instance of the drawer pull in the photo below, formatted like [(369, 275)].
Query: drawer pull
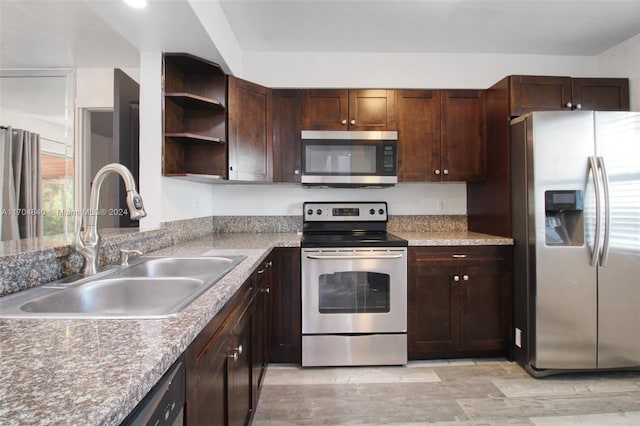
[(459, 256)]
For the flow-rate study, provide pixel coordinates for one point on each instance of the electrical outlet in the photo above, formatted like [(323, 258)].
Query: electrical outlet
[(442, 206), (518, 337)]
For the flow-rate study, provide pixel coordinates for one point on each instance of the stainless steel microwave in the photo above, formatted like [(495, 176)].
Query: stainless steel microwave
[(349, 158)]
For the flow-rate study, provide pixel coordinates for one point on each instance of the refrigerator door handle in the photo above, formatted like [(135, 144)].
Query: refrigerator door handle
[(596, 238), (607, 212)]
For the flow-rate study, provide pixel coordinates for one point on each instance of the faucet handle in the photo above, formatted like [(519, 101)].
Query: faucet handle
[(125, 254)]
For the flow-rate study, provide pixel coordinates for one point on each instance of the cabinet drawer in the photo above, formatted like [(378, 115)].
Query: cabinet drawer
[(420, 256)]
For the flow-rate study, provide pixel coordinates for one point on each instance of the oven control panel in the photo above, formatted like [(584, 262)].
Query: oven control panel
[(344, 212)]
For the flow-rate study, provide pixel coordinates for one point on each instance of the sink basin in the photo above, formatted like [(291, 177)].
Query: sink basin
[(154, 287), (119, 297), (183, 266)]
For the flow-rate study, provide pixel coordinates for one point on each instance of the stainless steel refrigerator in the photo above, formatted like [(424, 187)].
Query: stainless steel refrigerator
[(575, 202)]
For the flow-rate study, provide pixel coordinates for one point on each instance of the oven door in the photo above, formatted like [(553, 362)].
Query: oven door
[(355, 290)]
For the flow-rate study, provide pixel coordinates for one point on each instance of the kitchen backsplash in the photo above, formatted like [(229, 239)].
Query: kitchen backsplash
[(227, 224), (30, 263)]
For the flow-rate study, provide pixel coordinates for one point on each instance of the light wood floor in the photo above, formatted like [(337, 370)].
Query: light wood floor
[(463, 392)]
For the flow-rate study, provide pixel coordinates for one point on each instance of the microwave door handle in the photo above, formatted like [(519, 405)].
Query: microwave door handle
[(351, 257)]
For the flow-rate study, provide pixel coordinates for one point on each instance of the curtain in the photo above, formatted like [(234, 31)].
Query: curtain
[(21, 184)]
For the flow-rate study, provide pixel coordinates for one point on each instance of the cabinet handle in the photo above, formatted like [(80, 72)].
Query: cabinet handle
[(266, 290), (234, 356), (239, 350), (445, 171), (459, 256), (266, 266), (578, 106), (568, 105), (353, 122), (343, 122), (456, 278), (465, 277), (437, 171), (296, 172)]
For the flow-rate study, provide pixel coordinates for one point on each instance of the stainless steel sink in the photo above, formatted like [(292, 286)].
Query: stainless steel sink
[(179, 266), (119, 297), (154, 287)]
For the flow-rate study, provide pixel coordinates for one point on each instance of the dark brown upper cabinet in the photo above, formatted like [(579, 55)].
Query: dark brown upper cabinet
[(488, 202), (418, 135), (195, 116), (250, 131), (441, 135), (463, 135), (287, 142), (601, 94), (337, 109), (545, 93)]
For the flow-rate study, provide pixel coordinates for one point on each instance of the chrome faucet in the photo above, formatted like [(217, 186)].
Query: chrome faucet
[(87, 241)]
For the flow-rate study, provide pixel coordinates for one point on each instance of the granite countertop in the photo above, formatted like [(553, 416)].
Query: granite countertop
[(94, 372), (459, 238)]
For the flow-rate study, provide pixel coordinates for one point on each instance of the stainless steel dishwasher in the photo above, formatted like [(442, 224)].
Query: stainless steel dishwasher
[(164, 404)]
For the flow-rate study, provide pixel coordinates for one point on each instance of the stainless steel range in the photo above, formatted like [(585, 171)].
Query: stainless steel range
[(354, 286)]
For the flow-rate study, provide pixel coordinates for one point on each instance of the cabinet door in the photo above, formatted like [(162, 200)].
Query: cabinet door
[(218, 386), (240, 398), (286, 302), (601, 94), (485, 307), (325, 109), (372, 109), (433, 311), (262, 326), (207, 386), (418, 135), (287, 144), (463, 135), (538, 93), (250, 131)]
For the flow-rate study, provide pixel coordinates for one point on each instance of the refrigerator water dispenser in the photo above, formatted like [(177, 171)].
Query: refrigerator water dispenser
[(564, 218)]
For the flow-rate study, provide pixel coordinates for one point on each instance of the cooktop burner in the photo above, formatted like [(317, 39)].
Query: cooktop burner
[(347, 224)]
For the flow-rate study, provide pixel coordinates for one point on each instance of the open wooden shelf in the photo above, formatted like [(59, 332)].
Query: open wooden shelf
[(193, 137), (195, 118), (192, 101)]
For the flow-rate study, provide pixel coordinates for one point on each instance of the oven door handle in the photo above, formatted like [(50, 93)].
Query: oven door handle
[(349, 257)]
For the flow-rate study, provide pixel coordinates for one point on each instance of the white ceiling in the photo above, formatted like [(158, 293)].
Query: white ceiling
[(85, 33), (560, 27)]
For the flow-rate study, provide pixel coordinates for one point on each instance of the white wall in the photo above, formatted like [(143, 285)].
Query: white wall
[(286, 199), (623, 60), (389, 70), (94, 86)]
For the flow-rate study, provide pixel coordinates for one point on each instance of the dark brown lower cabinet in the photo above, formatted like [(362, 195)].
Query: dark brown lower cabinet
[(459, 301), (239, 368), (227, 360), (262, 325), (286, 305)]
